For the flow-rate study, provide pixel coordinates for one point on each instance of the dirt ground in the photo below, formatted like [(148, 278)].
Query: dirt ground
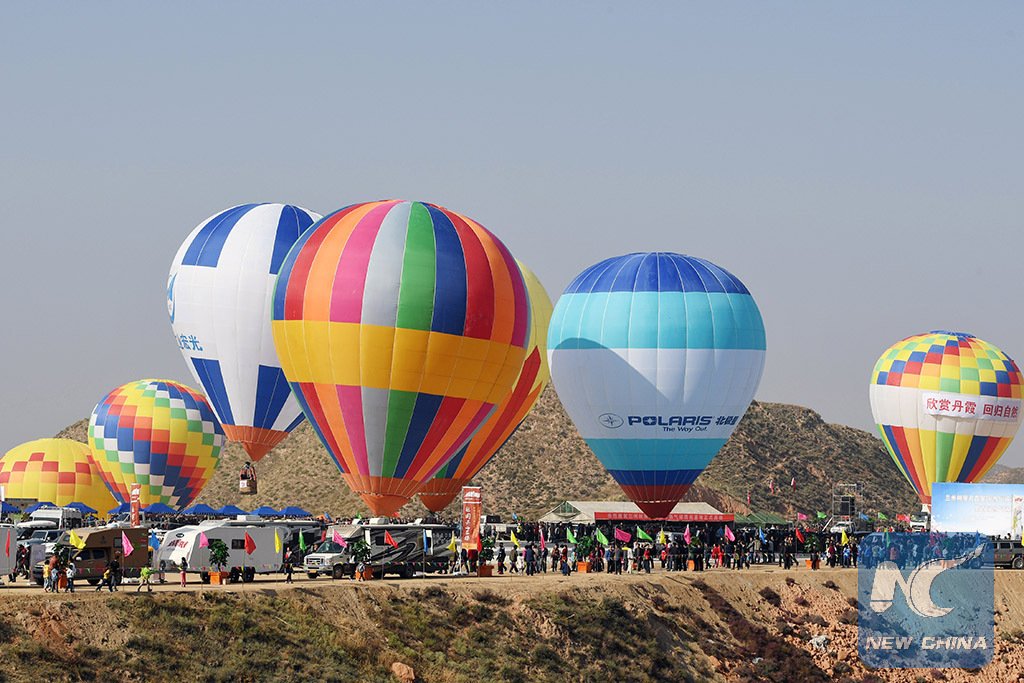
[(829, 594)]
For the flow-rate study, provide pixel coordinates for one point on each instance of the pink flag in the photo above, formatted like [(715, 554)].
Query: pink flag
[(801, 517), (748, 498), (336, 537), (793, 483), (771, 485), (686, 535), (126, 545), (543, 545), (621, 535), (729, 534), (204, 542)]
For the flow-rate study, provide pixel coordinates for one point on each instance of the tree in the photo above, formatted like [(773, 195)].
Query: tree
[(218, 553)]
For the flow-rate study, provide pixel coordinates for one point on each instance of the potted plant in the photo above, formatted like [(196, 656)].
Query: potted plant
[(486, 555), (360, 551), (813, 546), (218, 559), (583, 548)]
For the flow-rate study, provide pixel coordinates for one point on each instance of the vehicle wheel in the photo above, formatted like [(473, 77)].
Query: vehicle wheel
[(1018, 562), (204, 577), (337, 572), (312, 575), (92, 582), (234, 576), (406, 572), (249, 574)]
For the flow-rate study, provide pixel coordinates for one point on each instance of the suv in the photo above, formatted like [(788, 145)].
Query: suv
[(1008, 553)]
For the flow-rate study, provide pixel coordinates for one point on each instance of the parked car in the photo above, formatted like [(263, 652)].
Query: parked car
[(1008, 553)]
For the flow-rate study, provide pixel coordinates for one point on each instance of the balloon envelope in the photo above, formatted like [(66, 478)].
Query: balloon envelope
[(60, 471), (467, 463), (400, 325), (218, 296), (947, 405), (157, 433), (656, 357)]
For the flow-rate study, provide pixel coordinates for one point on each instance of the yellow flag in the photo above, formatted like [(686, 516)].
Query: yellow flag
[(277, 542), (662, 540), (76, 540), (451, 546), (515, 541), (845, 539)]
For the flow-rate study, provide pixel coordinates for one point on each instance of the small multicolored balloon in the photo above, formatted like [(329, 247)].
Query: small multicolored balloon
[(947, 405), (218, 296), (157, 433), (400, 326), (58, 471), (656, 357)]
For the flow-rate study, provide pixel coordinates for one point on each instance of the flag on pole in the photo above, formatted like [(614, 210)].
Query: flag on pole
[(389, 540), (426, 543), (76, 540), (793, 483), (882, 517), (250, 545), (623, 536), (126, 545), (339, 539), (801, 517), (799, 536), (570, 536), (729, 534), (204, 542), (512, 537), (277, 541), (863, 517), (760, 534), (748, 498), (662, 539), (302, 542), (640, 533), (7, 544), (686, 535), (845, 539), (601, 538), (543, 545), (821, 515), (451, 546), (154, 542)]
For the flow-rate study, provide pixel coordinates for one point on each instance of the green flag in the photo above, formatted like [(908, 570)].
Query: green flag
[(821, 515), (570, 536), (640, 533), (882, 516), (302, 542), (601, 538)]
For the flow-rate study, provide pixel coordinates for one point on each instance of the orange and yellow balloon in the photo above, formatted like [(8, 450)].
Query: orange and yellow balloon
[(58, 471)]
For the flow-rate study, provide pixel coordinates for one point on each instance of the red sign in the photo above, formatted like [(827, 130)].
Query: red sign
[(641, 517), (133, 499), (471, 504)]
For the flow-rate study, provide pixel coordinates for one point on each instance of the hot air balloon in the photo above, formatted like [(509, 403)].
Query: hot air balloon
[(218, 296), (947, 405), (157, 433), (442, 489), (59, 471), (400, 325), (656, 357)]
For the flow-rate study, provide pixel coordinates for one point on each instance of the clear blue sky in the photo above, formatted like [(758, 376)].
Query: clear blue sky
[(857, 165)]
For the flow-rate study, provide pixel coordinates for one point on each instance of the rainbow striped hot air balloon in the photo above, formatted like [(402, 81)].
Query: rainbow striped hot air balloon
[(58, 471), (159, 434), (947, 405), (218, 297), (656, 357), (400, 326), (467, 463)]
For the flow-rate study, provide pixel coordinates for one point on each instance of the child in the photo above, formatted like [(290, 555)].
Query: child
[(360, 569)]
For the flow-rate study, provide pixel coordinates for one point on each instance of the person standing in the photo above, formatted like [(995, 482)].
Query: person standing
[(145, 577), (183, 568), (115, 574), (70, 573), (501, 559), (288, 569)]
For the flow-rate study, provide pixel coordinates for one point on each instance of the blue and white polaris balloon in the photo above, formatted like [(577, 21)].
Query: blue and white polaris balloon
[(656, 357), (219, 293)]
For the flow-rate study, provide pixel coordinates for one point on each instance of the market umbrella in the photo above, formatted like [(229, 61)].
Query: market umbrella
[(82, 507), (120, 509)]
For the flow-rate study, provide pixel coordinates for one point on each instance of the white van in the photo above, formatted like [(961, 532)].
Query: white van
[(184, 542)]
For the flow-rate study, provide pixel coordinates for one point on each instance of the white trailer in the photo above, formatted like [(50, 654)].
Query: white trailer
[(8, 549), (184, 542)]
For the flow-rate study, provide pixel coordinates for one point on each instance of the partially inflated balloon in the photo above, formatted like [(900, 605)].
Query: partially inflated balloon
[(157, 433), (400, 325), (218, 296), (58, 471), (656, 357), (947, 405), (442, 489)]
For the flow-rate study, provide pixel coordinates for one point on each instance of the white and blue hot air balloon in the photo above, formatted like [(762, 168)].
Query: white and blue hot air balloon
[(656, 357), (219, 293)]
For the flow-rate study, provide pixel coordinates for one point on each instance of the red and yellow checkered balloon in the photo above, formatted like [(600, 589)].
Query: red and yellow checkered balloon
[(58, 471)]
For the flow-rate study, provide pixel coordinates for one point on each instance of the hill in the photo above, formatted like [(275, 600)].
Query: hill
[(546, 462)]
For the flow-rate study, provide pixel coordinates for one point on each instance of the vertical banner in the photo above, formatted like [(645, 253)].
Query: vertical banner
[(470, 517), (133, 497)]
